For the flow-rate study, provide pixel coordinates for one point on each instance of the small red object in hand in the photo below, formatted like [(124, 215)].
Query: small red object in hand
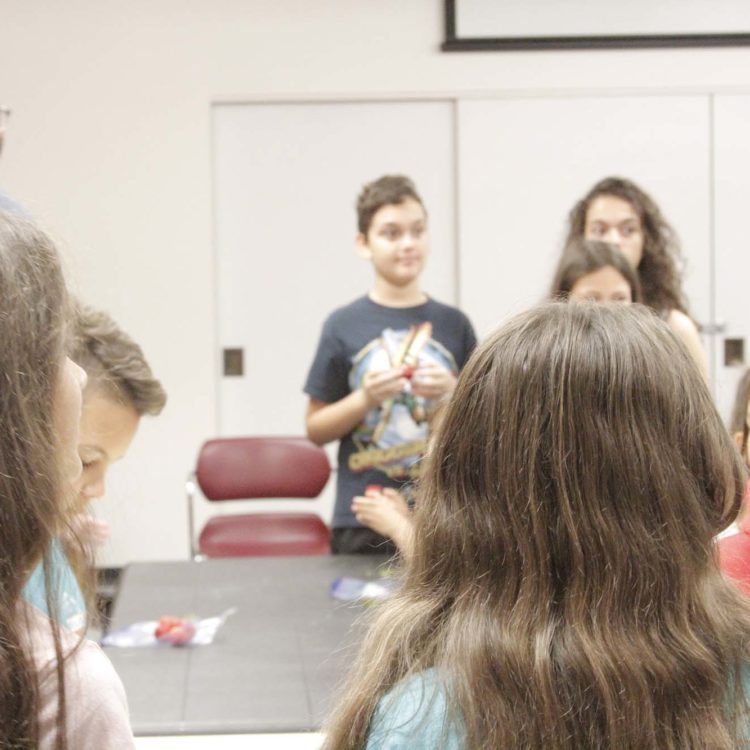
[(373, 488), (408, 371), (175, 630)]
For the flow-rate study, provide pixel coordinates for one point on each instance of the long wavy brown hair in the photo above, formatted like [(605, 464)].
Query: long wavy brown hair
[(563, 582), (659, 270), (33, 312)]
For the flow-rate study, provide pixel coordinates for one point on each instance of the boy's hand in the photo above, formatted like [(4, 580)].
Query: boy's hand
[(431, 381), (383, 384), (385, 512)]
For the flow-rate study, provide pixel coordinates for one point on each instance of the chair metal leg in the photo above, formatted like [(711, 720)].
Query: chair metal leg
[(190, 490)]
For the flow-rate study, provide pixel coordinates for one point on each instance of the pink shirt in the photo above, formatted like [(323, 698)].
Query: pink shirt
[(734, 550), (97, 710)]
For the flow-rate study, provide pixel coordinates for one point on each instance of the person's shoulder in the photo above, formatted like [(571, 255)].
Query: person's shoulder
[(11, 206), (686, 330), (70, 605), (101, 678), (414, 714), (345, 312), (410, 694), (436, 304), (98, 713), (97, 709), (450, 318), (450, 312), (89, 674), (680, 322)]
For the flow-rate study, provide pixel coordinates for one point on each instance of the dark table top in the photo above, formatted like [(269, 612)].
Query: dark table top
[(274, 665)]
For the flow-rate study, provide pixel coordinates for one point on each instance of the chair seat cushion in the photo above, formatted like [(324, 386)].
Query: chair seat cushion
[(265, 534)]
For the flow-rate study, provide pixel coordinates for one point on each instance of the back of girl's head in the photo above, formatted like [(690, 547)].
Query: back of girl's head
[(579, 477), (658, 269), (33, 308), (114, 363), (583, 430), (582, 257), (563, 577)]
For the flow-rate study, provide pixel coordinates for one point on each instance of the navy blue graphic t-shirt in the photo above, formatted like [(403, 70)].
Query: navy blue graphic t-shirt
[(386, 447)]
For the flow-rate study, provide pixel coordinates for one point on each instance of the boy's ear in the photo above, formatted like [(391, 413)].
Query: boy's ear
[(361, 246), (738, 440)]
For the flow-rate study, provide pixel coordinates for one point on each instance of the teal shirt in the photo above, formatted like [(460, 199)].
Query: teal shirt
[(413, 715), (71, 607)]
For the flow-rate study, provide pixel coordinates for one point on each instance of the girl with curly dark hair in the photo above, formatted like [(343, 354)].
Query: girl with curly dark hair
[(617, 211)]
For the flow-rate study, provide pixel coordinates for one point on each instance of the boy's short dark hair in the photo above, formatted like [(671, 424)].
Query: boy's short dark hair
[(389, 190)]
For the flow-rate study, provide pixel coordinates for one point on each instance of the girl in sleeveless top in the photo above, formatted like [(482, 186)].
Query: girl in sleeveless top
[(618, 211)]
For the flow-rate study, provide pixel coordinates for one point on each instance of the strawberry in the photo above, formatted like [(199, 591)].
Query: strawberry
[(165, 624), (175, 630), (408, 371), (181, 634)]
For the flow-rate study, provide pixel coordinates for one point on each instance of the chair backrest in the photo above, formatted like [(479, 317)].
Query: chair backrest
[(261, 467)]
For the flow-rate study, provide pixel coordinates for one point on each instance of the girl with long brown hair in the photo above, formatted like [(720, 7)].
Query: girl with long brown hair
[(618, 211), (562, 591), (58, 692)]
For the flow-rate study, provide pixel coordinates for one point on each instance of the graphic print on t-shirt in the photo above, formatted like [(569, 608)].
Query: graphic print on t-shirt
[(393, 436)]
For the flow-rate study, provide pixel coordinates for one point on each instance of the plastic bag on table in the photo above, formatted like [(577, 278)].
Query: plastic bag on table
[(173, 631), (348, 589)]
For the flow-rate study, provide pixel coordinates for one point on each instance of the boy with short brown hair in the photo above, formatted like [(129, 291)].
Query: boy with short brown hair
[(383, 361)]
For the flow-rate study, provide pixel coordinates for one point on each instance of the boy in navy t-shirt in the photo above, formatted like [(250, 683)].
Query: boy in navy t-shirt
[(383, 361)]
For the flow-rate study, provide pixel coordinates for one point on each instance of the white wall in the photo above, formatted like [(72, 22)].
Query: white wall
[(109, 146)]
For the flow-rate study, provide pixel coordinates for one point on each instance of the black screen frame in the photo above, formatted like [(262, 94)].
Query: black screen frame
[(454, 43)]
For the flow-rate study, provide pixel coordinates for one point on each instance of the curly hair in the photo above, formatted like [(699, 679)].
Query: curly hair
[(114, 362), (660, 266)]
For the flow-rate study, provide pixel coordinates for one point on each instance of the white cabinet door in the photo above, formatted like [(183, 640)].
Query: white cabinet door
[(286, 177), (732, 245), (524, 162)]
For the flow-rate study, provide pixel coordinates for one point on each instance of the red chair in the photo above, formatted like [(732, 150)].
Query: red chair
[(259, 467)]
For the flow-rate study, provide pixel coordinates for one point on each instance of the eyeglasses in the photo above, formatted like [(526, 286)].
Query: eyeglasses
[(4, 116)]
